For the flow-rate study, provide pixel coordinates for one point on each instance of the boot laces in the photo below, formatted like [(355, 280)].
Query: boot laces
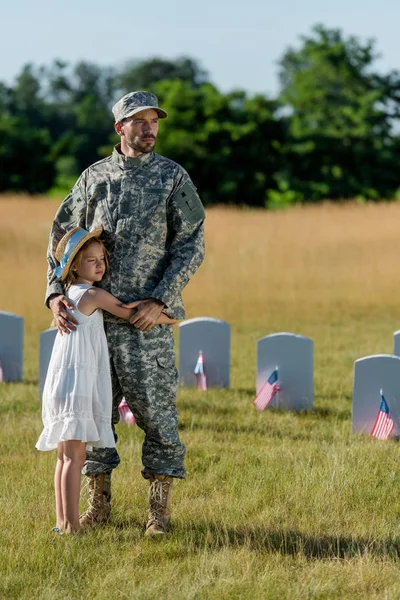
[(158, 498), (93, 493)]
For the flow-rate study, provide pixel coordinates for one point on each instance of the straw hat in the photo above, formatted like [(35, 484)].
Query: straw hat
[(69, 246)]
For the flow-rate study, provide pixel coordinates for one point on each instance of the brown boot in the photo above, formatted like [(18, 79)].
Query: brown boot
[(159, 499), (99, 509)]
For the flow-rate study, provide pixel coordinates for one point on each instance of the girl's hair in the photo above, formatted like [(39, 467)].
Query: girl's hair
[(72, 275)]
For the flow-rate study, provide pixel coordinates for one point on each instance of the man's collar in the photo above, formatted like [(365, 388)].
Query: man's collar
[(127, 162)]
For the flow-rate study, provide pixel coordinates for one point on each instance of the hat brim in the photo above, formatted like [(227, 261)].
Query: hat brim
[(161, 113), (59, 253)]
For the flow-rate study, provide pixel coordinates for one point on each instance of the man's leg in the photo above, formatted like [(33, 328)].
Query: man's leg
[(98, 467), (145, 366)]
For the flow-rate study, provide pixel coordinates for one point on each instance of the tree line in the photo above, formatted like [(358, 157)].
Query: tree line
[(331, 131)]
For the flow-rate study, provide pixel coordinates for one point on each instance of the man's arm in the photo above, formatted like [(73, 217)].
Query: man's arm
[(149, 313), (185, 214), (70, 213)]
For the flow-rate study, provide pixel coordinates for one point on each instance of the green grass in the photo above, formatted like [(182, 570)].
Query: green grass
[(276, 505)]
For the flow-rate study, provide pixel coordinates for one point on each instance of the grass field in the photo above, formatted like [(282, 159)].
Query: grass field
[(277, 504)]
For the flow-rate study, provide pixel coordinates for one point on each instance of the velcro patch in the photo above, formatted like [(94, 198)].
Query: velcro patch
[(189, 203), (65, 214)]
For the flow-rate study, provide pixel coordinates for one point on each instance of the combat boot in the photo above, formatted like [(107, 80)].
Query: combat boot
[(99, 509), (159, 499)]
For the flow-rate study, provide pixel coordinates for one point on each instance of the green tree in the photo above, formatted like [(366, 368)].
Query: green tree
[(142, 75), (339, 116), (25, 143), (26, 99), (79, 102), (25, 163), (229, 143)]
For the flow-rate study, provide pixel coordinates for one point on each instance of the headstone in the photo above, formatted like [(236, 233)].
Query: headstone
[(294, 356), (46, 343), (396, 343), (11, 346), (372, 374), (213, 338)]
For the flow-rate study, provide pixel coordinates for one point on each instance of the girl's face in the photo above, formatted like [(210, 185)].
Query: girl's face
[(91, 265)]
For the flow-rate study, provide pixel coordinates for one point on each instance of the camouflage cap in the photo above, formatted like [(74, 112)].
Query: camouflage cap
[(132, 103)]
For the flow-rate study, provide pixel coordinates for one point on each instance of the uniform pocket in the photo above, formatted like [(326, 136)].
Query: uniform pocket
[(137, 208), (161, 361), (98, 207), (166, 361), (189, 203), (167, 374)]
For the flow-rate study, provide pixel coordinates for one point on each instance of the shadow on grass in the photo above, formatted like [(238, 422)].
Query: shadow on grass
[(204, 405), (197, 538), (291, 542), (121, 525), (9, 385), (249, 392), (334, 396), (228, 426), (329, 413)]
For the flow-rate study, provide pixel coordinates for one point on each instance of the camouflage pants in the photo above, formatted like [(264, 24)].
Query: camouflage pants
[(143, 370)]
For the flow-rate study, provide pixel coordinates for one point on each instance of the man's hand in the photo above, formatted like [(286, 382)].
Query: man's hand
[(64, 321), (147, 313)]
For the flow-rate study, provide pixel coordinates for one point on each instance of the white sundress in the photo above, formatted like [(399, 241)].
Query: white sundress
[(77, 396)]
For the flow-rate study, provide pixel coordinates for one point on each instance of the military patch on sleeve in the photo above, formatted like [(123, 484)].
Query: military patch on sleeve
[(189, 203), (65, 214)]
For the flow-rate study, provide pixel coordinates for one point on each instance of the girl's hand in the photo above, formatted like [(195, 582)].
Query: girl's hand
[(63, 320), (147, 313), (131, 305)]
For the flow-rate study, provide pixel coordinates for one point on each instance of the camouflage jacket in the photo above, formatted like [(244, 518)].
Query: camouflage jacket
[(153, 222)]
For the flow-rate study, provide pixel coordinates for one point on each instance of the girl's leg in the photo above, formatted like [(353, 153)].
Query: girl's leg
[(74, 457), (57, 486)]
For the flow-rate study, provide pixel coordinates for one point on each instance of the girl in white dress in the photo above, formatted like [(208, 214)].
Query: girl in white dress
[(77, 396)]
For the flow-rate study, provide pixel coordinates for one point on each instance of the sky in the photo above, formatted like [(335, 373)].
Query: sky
[(237, 43)]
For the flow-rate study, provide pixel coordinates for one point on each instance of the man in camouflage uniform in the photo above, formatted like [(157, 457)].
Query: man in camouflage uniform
[(153, 222)]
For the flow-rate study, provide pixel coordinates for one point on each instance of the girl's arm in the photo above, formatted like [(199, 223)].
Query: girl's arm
[(164, 320), (95, 298)]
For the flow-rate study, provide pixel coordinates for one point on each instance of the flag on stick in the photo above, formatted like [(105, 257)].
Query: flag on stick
[(384, 424), (1, 373), (200, 373), (268, 391), (125, 413)]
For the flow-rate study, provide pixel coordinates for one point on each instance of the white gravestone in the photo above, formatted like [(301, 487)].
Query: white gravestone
[(294, 356), (372, 374), (11, 346), (396, 343), (213, 338), (46, 344)]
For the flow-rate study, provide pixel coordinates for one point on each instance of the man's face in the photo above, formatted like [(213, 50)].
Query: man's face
[(140, 131)]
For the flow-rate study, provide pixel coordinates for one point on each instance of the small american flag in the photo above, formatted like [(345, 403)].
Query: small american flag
[(268, 391), (125, 413), (200, 373), (384, 425)]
